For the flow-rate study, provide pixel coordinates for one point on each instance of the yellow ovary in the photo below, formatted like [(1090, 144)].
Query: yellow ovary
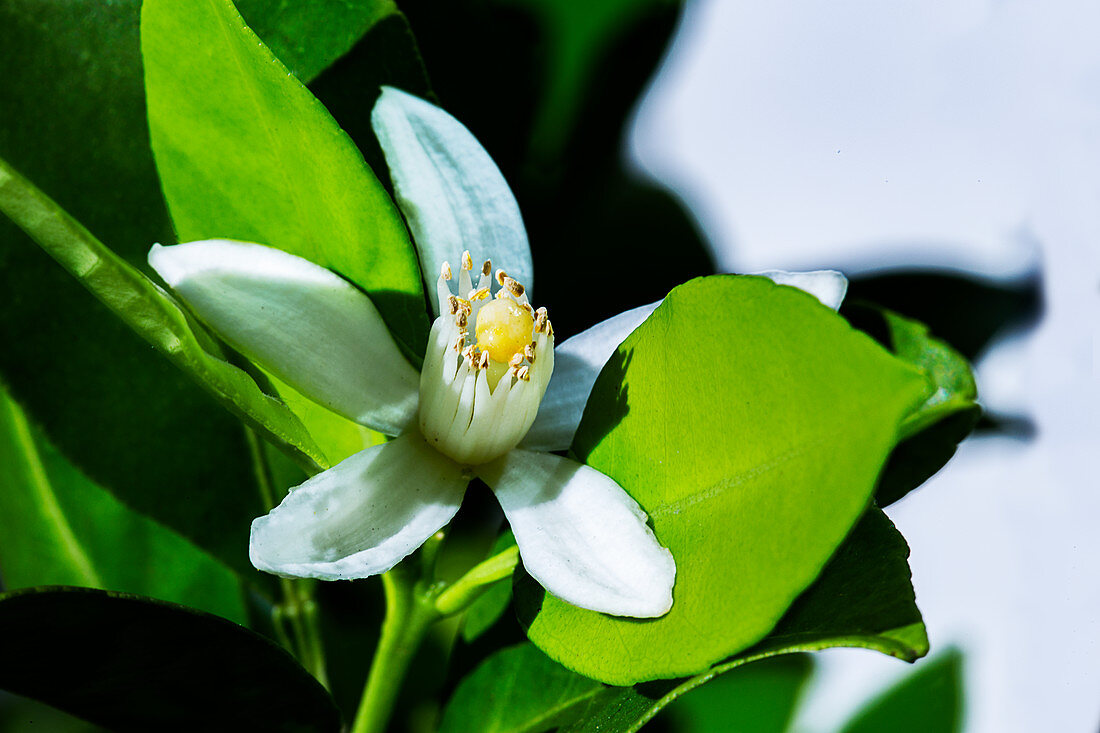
[(503, 329)]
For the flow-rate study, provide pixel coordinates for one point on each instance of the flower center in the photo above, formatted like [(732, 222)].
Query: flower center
[(503, 329), (478, 401)]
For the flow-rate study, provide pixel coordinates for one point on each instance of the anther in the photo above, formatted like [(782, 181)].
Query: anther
[(513, 287), (462, 320), (453, 303), (463, 305), (479, 294), (445, 271), (486, 268), (483, 361), (460, 343), (467, 261), (524, 373), (540, 320), (529, 352), (501, 274), (516, 361)]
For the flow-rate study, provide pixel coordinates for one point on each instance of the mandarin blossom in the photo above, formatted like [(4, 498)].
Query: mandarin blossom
[(492, 401)]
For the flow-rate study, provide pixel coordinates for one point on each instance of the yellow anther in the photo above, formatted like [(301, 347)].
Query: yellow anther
[(445, 271), (503, 329), (479, 294), (467, 261)]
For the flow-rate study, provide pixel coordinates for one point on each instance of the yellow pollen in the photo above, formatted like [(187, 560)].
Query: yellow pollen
[(503, 329)]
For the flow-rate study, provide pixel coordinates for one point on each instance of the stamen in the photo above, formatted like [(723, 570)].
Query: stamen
[(445, 271), (540, 320), (462, 320), (513, 287), (501, 274), (453, 302), (467, 261), (524, 373), (460, 343), (486, 268), (516, 361), (483, 361), (464, 305), (479, 294), (529, 352)]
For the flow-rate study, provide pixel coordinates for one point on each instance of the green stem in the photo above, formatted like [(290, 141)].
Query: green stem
[(410, 612)]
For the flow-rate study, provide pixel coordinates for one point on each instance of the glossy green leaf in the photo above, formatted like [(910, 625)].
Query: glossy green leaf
[(130, 663), (750, 422), (57, 527), (189, 495), (933, 431), (863, 598), (929, 700), (519, 690), (246, 152)]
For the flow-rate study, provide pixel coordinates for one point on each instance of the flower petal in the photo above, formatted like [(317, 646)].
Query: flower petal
[(577, 362), (362, 516), (451, 192), (581, 536), (828, 286), (306, 325)]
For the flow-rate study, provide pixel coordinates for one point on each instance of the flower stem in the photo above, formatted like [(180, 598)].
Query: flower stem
[(410, 612)]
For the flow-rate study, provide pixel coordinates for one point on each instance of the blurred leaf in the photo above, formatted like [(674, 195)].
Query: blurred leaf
[(753, 443), (486, 610), (586, 213), (519, 690), (929, 700), (59, 528), (130, 663), (863, 598), (758, 698), (246, 152), (74, 122), (966, 311), (934, 430)]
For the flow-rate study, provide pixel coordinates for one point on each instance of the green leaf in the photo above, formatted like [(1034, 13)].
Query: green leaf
[(60, 528), (130, 663), (750, 422), (934, 430), (207, 498), (929, 700), (757, 698), (863, 598), (246, 152), (308, 37), (519, 690)]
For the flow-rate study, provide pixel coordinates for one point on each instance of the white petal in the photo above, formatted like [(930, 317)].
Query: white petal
[(581, 536), (307, 326), (451, 192), (828, 286), (362, 516), (577, 363)]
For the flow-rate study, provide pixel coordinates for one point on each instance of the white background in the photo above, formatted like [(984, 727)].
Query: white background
[(859, 135)]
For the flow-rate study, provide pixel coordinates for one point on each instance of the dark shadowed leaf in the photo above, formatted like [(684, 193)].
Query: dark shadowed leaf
[(133, 664)]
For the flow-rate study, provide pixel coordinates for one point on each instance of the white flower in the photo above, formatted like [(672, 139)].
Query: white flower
[(484, 405)]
